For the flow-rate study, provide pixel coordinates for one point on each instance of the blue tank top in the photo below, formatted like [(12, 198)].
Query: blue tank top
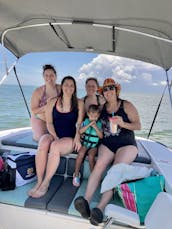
[(65, 123)]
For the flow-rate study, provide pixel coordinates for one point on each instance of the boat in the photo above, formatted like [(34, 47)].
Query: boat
[(141, 30)]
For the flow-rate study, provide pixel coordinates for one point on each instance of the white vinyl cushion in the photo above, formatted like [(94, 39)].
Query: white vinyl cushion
[(159, 215), (123, 215)]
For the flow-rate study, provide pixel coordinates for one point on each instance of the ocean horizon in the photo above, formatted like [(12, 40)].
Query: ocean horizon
[(14, 114)]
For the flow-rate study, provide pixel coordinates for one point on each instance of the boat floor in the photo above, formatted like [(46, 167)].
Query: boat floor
[(61, 193)]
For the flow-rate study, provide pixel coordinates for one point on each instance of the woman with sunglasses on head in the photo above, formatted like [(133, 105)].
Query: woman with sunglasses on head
[(92, 97), (39, 100), (119, 120), (63, 116)]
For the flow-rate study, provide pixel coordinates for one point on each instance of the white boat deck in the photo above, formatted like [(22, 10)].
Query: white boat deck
[(161, 160)]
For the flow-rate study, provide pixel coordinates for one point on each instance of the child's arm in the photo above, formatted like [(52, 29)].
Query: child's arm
[(98, 131), (84, 128)]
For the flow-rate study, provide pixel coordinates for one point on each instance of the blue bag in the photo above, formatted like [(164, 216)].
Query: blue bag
[(139, 195)]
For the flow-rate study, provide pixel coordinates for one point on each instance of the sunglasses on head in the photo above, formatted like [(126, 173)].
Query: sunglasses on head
[(109, 88)]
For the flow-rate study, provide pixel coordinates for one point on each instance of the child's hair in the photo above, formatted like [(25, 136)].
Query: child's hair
[(94, 108)]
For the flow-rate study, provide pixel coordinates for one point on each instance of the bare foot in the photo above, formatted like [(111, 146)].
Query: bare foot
[(30, 193), (41, 191)]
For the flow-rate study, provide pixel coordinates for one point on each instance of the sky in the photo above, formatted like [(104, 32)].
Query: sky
[(134, 76)]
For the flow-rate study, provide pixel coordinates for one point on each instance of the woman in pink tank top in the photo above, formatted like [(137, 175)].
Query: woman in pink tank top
[(39, 100)]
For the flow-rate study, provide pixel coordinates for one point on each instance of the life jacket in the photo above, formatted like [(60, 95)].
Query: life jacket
[(90, 138)]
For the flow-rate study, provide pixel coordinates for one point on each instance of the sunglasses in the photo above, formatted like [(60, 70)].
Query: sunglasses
[(109, 88)]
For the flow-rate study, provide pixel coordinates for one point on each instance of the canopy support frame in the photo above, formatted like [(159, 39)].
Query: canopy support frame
[(113, 27), (168, 85)]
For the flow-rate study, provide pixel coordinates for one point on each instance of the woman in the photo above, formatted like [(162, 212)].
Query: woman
[(119, 118), (63, 115), (39, 101), (92, 97)]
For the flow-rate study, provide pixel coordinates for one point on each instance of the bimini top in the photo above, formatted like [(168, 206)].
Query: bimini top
[(136, 29)]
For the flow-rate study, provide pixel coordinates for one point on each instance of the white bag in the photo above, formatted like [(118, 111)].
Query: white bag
[(24, 163)]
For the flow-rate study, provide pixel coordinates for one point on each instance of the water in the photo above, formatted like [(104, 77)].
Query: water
[(13, 112)]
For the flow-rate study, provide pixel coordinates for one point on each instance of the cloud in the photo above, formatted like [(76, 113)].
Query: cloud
[(121, 69), (160, 83), (147, 77)]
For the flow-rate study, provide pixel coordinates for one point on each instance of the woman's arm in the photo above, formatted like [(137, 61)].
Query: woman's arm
[(133, 116), (77, 143), (80, 114), (58, 86), (49, 117), (35, 100)]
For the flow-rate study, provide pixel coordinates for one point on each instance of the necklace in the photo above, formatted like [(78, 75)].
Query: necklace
[(113, 107)]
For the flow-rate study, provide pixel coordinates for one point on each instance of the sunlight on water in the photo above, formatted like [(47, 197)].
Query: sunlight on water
[(13, 112)]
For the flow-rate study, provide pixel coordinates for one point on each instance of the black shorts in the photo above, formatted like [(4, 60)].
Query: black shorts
[(115, 142)]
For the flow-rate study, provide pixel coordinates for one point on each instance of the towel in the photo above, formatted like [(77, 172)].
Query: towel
[(121, 172)]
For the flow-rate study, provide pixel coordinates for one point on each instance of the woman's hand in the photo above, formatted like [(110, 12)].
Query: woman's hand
[(77, 143), (118, 120), (56, 138)]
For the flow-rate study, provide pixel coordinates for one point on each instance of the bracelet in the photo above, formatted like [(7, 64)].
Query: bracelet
[(78, 125)]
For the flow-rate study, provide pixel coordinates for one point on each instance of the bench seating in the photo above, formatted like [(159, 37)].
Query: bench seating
[(61, 193), (25, 140)]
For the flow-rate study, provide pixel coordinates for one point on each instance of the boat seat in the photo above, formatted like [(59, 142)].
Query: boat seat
[(41, 203), (63, 197), (61, 191), (158, 216), (61, 194), (67, 191), (19, 196), (24, 140)]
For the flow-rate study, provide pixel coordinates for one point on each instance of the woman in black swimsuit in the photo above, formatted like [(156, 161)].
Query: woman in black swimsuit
[(120, 119)]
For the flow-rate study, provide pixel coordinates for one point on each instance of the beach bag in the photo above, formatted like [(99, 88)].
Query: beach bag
[(2, 164), (7, 179), (139, 195), (24, 165)]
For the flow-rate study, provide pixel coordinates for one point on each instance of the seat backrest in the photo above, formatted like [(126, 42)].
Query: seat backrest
[(160, 214)]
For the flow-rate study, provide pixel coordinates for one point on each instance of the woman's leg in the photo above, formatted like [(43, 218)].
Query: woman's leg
[(96, 215), (105, 157), (79, 159), (38, 128), (125, 154), (41, 160), (91, 157), (58, 148), (105, 198)]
